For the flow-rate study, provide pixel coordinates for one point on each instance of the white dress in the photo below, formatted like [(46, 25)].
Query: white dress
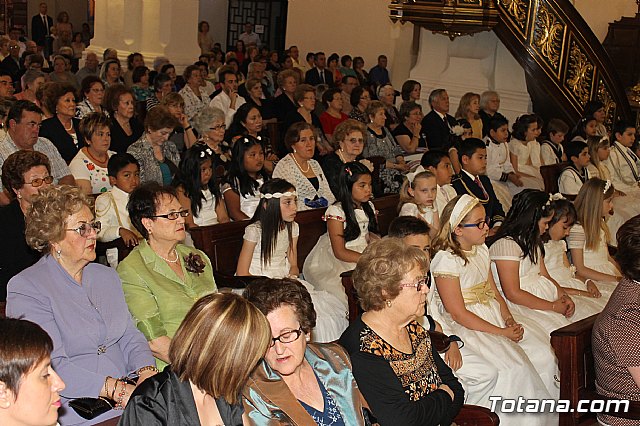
[(528, 162), (597, 259), (517, 374), (322, 268), (207, 214), (411, 209), (248, 203), (331, 315), (554, 254), (499, 164), (530, 281)]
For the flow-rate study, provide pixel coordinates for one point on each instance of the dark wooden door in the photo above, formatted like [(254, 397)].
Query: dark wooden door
[(271, 15)]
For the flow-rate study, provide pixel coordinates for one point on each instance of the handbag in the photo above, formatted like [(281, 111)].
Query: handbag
[(90, 408)]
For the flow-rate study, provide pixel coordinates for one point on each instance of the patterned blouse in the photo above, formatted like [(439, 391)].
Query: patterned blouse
[(149, 166)]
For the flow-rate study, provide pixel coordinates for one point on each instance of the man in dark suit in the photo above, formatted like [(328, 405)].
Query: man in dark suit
[(11, 64), (438, 123), (40, 26), (473, 181), (319, 74)]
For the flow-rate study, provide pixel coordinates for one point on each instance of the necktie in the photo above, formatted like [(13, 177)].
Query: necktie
[(46, 27), (477, 181), (322, 76)]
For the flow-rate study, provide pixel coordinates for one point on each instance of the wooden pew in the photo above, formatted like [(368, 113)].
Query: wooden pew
[(572, 345)]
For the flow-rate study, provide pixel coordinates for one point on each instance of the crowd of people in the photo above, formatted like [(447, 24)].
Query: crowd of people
[(479, 251)]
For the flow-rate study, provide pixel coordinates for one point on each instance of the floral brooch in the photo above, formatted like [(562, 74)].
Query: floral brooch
[(194, 263)]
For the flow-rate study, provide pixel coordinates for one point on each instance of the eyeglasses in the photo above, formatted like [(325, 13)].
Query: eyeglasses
[(218, 127), (39, 181), (426, 280), (478, 225), (287, 337), (173, 215), (84, 230), (356, 140)]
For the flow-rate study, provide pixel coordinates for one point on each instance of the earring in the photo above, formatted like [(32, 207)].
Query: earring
[(294, 150), (58, 253), (19, 195), (388, 302)]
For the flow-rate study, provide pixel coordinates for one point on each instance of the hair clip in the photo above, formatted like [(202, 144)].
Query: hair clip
[(554, 197), (206, 152), (246, 140), (259, 138), (607, 185), (279, 195), (348, 170)]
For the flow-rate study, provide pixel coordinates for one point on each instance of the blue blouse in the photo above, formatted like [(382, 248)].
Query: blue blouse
[(331, 415)]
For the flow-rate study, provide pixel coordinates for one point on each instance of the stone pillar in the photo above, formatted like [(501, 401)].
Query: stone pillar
[(152, 27)]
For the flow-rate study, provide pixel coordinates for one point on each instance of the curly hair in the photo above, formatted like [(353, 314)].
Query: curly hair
[(269, 294), (381, 268), (47, 217), (347, 127), (54, 92), (373, 108), (301, 91), (88, 82), (283, 75), (19, 163)]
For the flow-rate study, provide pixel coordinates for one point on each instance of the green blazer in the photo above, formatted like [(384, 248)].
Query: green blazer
[(157, 298)]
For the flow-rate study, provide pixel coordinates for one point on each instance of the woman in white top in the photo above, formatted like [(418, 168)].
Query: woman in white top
[(89, 166), (299, 168), (525, 151), (194, 99)]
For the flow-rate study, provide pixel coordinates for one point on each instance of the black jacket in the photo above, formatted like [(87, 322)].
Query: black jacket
[(437, 131), (38, 30), (463, 184), (53, 129), (312, 77)]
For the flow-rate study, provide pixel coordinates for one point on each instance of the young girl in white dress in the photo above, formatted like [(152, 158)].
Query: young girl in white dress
[(418, 197), (351, 224), (469, 304), (525, 151), (198, 189), (246, 176), (270, 249), (588, 238), (517, 256), (585, 292)]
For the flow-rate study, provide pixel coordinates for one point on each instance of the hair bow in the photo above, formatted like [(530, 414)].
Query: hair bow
[(412, 175)]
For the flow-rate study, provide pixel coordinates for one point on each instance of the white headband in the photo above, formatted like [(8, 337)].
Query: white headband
[(554, 197), (278, 195), (607, 185), (412, 175), (465, 204)]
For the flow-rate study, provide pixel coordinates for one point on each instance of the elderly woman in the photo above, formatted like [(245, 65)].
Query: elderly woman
[(409, 134), (305, 97), (134, 60), (210, 125), (60, 73), (24, 173), (360, 100), (63, 129), (204, 39), (110, 73), (285, 103), (615, 332), (79, 303), (299, 168), (30, 81), (140, 84), (380, 142), (92, 90), (183, 135), (299, 382), (89, 166), (194, 99), (30, 388), (256, 94), (162, 86), (348, 144), (204, 382), (397, 368), (387, 95), (158, 156), (125, 127), (161, 277), (333, 115)]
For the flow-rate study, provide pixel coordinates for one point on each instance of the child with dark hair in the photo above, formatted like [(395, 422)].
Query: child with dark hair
[(575, 174), (111, 207), (473, 180), (351, 224), (270, 249), (623, 163), (506, 182), (525, 150), (551, 149), (198, 188), (246, 176), (585, 127), (439, 163)]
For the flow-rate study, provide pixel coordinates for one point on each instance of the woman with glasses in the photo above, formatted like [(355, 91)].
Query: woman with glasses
[(79, 303), (161, 277), (396, 366), (299, 382), (24, 173), (210, 125), (409, 134)]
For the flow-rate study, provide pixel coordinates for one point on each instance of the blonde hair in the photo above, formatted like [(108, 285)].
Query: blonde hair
[(446, 238), (220, 341), (46, 219), (465, 103), (594, 143), (588, 201), (405, 197)]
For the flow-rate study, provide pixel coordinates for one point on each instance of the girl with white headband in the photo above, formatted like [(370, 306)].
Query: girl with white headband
[(467, 301), (418, 196), (270, 250), (588, 238)]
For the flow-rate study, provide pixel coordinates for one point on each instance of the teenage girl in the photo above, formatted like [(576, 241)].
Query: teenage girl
[(418, 196), (270, 249), (351, 224)]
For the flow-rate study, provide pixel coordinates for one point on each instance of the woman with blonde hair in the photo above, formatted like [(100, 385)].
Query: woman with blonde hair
[(219, 343), (469, 109)]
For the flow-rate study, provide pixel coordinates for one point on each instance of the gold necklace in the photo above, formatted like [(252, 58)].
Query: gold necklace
[(298, 164)]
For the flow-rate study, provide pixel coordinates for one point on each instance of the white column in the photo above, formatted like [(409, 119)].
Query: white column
[(152, 27)]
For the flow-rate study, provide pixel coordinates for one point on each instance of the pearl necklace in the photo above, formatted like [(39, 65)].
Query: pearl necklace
[(168, 260), (70, 127), (299, 166)]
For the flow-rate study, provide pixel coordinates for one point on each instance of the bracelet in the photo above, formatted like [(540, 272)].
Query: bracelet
[(454, 338), (147, 368), (123, 392), (187, 128), (113, 391), (106, 385)]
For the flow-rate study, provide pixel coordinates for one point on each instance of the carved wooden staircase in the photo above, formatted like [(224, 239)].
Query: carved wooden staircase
[(565, 64)]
